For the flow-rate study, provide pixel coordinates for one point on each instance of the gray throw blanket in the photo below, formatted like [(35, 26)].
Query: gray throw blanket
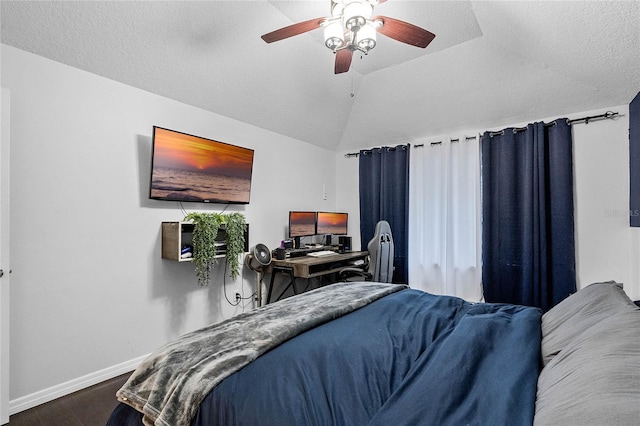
[(170, 384)]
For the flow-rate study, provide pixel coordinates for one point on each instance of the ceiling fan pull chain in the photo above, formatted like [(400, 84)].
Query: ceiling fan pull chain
[(352, 90)]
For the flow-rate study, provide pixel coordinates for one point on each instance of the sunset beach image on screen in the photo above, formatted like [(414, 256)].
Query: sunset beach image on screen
[(191, 168), (302, 224), (331, 223)]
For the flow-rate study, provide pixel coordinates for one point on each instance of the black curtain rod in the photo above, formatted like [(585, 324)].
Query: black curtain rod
[(420, 145), (606, 115), (452, 140), (388, 148)]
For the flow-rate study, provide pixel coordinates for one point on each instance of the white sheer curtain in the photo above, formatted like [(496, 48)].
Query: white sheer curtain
[(445, 218)]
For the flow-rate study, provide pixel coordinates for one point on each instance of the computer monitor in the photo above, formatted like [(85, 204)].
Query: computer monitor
[(302, 224), (331, 223)]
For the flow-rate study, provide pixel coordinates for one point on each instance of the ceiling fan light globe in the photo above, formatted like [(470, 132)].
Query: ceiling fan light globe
[(334, 35), (336, 9), (356, 14), (366, 38), (334, 43)]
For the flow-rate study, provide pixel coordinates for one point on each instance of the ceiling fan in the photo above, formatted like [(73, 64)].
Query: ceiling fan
[(352, 27)]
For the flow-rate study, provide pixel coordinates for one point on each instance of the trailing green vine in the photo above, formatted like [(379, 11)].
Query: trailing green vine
[(205, 232), (234, 225)]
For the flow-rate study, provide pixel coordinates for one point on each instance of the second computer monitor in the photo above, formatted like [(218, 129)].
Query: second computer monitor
[(331, 223)]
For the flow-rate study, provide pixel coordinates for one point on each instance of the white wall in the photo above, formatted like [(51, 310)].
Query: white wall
[(347, 194), (89, 288), (5, 278), (607, 248)]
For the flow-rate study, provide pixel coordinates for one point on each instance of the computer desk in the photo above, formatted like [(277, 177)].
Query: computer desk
[(310, 267)]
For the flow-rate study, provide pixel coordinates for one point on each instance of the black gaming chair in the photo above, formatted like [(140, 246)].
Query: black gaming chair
[(381, 251)]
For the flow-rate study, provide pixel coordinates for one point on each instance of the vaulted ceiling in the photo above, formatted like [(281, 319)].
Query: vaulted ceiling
[(492, 63)]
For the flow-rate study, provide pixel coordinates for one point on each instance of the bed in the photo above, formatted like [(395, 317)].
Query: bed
[(381, 354)]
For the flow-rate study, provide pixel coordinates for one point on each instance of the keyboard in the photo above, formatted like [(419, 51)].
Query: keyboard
[(321, 253)]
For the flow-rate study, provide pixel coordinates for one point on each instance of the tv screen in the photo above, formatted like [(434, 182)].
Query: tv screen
[(332, 223), (302, 224), (191, 168)]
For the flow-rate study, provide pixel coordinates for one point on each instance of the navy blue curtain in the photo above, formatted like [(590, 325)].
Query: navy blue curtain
[(634, 161), (384, 195), (528, 247)]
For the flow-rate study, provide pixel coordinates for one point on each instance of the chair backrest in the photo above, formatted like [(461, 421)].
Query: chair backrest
[(381, 251)]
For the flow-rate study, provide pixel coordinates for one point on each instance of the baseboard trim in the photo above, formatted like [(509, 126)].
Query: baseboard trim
[(29, 401)]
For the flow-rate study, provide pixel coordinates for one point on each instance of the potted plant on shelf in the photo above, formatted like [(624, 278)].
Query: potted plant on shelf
[(205, 232)]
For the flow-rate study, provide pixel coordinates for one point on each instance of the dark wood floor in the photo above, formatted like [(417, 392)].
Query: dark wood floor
[(87, 407)]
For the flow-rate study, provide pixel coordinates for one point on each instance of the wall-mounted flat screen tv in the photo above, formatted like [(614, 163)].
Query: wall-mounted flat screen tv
[(331, 223), (302, 224), (191, 168)]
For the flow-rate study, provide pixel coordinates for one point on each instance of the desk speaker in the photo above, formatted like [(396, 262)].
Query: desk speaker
[(345, 242)]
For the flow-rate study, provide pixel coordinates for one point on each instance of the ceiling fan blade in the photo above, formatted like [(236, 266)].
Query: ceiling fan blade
[(293, 30), (343, 60), (404, 32)]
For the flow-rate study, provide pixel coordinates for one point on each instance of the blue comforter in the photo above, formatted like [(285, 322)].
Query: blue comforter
[(410, 358)]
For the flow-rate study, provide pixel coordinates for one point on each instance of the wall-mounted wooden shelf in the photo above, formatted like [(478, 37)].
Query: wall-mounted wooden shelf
[(176, 235)]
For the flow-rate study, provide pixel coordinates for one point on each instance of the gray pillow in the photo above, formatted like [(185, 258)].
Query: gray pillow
[(591, 352), (595, 379), (575, 314)]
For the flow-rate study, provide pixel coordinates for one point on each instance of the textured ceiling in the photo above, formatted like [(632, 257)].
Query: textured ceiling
[(491, 63)]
